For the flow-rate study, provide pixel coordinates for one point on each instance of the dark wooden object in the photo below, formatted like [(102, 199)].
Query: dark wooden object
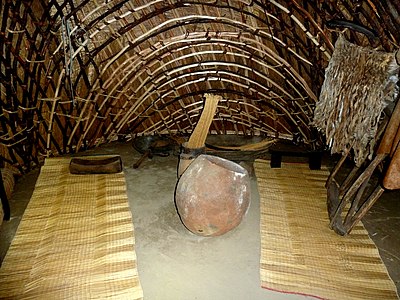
[(146, 154), (4, 200), (353, 193), (95, 165), (152, 145), (391, 145), (279, 150)]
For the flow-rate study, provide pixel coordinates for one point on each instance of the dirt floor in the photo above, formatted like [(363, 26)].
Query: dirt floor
[(175, 264)]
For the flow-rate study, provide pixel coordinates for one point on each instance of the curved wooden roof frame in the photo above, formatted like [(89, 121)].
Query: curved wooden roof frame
[(75, 74)]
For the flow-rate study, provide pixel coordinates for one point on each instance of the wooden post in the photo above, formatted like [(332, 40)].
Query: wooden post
[(4, 200)]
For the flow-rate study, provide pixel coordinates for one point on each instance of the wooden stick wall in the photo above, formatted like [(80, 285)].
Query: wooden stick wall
[(75, 74)]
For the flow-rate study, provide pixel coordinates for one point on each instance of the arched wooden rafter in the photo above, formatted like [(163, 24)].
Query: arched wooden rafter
[(268, 56), (150, 34)]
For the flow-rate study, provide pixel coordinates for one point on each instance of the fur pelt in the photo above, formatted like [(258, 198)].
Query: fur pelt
[(359, 83)]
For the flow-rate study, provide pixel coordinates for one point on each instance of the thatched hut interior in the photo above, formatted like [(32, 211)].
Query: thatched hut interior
[(264, 85)]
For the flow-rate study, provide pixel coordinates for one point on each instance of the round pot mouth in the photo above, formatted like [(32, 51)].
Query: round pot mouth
[(224, 163)]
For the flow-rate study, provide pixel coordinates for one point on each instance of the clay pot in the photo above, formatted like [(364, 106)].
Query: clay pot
[(212, 195)]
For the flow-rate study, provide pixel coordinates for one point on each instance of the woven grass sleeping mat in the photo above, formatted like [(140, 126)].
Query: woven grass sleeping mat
[(75, 240), (300, 254)]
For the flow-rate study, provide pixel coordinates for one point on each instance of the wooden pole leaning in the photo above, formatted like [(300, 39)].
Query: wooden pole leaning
[(353, 193), (196, 144)]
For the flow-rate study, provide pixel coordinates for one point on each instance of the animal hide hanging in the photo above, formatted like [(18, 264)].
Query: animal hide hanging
[(359, 84)]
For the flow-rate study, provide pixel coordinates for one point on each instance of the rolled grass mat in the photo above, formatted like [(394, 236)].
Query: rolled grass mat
[(300, 254), (75, 240)]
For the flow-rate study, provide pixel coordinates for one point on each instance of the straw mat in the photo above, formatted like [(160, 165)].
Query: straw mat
[(75, 240), (300, 254)]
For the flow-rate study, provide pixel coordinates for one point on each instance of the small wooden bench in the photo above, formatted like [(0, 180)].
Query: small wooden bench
[(279, 150)]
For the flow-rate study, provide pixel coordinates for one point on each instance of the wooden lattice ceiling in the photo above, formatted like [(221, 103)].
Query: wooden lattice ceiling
[(78, 73)]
